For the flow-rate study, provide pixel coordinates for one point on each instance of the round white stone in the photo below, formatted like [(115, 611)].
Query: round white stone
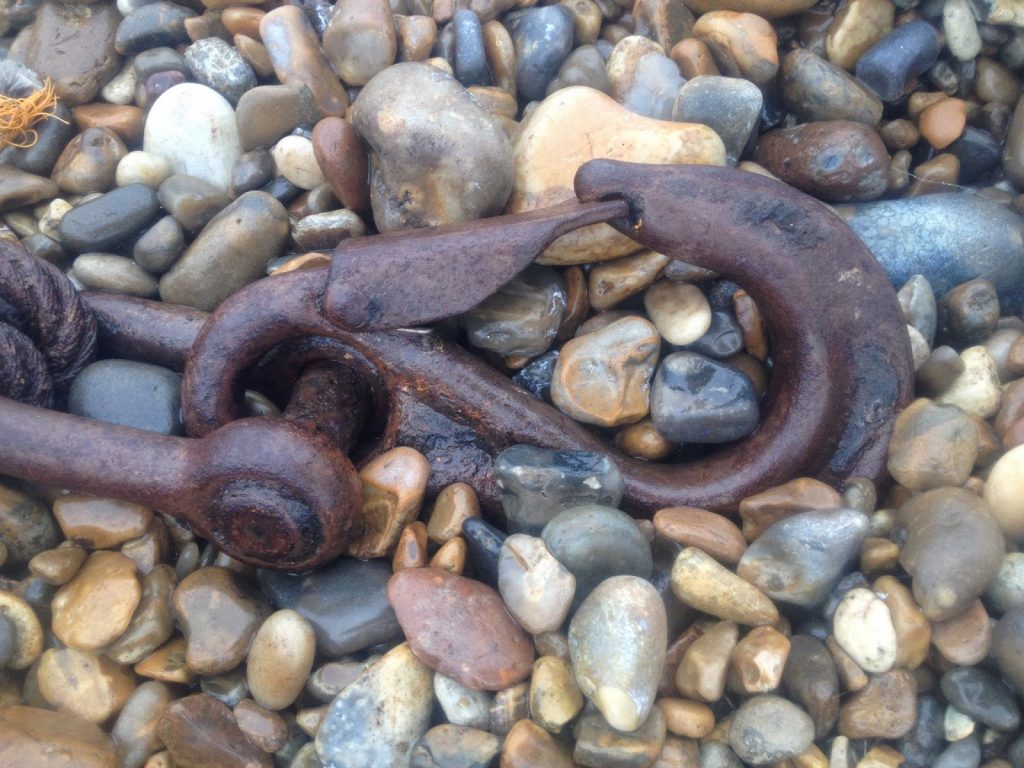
[(863, 627), (142, 167), (296, 161), (976, 390), (679, 311)]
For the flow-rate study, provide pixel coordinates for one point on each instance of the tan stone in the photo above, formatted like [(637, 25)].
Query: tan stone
[(612, 282), (58, 566), (134, 732), (881, 756), (310, 719), (856, 27), (451, 556), (95, 607), (555, 699), (411, 551), (743, 44), (932, 445), (913, 630), (693, 57), (699, 581), (679, 311), (604, 377), (803, 494), (702, 673), (455, 504), (851, 676), (151, 549), (528, 745), (153, 621), (28, 632), (577, 124), (642, 440), (38, 738), (393, 488), (1004, 492), (943, 122), (280, 659), (360, 39), (939, 174), (167, 664), (84, 684), (713, 534), (751, 322), (265, 729), (100, 523), (885, 709), (965, 639), (678, 753), (759, 659), (690, 719)]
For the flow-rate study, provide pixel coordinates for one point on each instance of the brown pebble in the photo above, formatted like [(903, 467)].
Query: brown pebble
[(265, 729), (393, 488), (96, 607), (455, 504), (411, 550), (851, 675), (751, 322), (460, 628), (687, 718), (932, 445), (280, 659), (899, 134), (919, 101), (528, 745), (886, 708), (151, 549), (167, 664), (84, 684), (38, 738), (242, 20), (200, 732), (100, 523), (943, 122), (966, 639), (416, 36), (940, 174), (342, 158), (508, 707), (743, 44), (58, 566), (857, 26), (643, 441), (712, 533), (701, 674), (694, 58), (451, 556), (803, 494)]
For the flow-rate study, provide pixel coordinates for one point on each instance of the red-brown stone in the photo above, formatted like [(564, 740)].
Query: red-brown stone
[(201, 732)]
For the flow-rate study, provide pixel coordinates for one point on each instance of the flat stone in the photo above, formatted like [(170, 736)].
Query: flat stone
[(45, 739), (280, 659), (811, 678), (95, 607), (699, 581), (595, 543), (393, 487), (167, 664), (108, 220), (201, 732), (713, 534), (363, 619), (129, 393), (231, 252), (26, 527), (454, 746), (932, 446), (83, 683), (617, 642), (952, 551), (54, 566), (800, 559), (767, 728), (462, 172), (599, 744), (537, 589), (218, 617), (326, 230), (885, 709), (862, 626), (378, 719), (460, 628)]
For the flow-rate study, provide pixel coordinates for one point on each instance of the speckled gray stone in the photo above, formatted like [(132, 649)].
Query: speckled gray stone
[(218, 65), (767, 728), (729, 106)]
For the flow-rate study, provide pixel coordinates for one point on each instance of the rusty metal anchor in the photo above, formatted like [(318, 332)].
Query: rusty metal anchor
[(842, 365)]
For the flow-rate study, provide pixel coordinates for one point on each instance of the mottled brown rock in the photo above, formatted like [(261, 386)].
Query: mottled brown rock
[(39, 738), (885, 709), (266, 729), (459, 627), (218, 617), (555, 698), (89, 161), (393, 488), (699, 581), (100, 523), (965, 639), (200, 732), (598, 743), (612, 282), (770, 9), (280, 659), (856, 27), (932, 445), (837, 160), (759, 660), (709, 532), (26, 525), (939, 174), (454, 504), (84, 684), (803, 494), (816, 89), (528, 745), (702, 672), (743, 44), (342, 159), (95, 607), (360, 39), (451, 556)]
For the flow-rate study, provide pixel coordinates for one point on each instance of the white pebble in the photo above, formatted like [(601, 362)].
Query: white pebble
[(1004, 492), (142, 167), (961, 29), (863, 627), (976, 390), (280, 659), (679, 311), (296, 161)]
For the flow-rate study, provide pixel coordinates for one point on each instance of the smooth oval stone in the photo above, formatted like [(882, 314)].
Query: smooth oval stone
[(100, 523), (218, 616), (134, 732), (117, 274), (730, 106), (296, 161), (363, 619), (143, 168), (982, 697), (484, 543), (280, 659), (342, 159), (128, 393), (96, 606), (360, 39), (835, 160), (298, 60), (18, 188), (460, 628), (932, 446), (522, 318), (909, 50), (109, 219), (160, 245), (947, 238), (1007, 588), (537, 589), (577, 124), (953, 549), (584, 66), (595, 543), (191, 200), (603, 377), (26, 527), (378, 718), (266, 113), (208, 146), (451, 163), (815, 89), (454, 746), (155, 60), (542, 37), (978, 152), (698, 580), (863, 628), (8, 641), (768, 728), (800, 559), (811, 678), (200, 731), (1003, 493), (617, 643), (461, 705), (963, 753), (470, 56), (254, 170), (722, 340), (538, 483), (44, 739), (219, 66), (151, 26), (696, 399), (89, 161), (82, 683), (231, 252)]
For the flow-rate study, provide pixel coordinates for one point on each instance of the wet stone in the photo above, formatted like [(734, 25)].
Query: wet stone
[(155, 60), (109, 219), (702, 583), (743, 44), (696, 399), (83, 683), (252, 171), (595, 543), (268, 112), (679, 311), (703, 670), (134, 732), (510, 705), (982, 697), (52, 135), (712, 533), (584, 66), (863, 628), (617, 642), (538, 590), (192, 201), (201, 732), (528, 745), (117, 274), (295, 160), (835, 160), (885, 709), (815, 89), (600, 745), (298, 60), (923, 743), (800, 559), (459, 627), (1008, 647), (470, 57), (769, 728), (342, 159), (152, 623), (723, 339), (217, 65), (543, 37), (26, 527), (100, 523), (142, 168), (932, 446), (89, 161), (41, 738), (54, 566), (360, 39), (811, 678), (555, 698), (647, 87), (265, 729), (151, 26), (907, 51), (129, 393), (95, 607), (522, 318), (453, 746), (280, 659), (538, 483), (968, 313), (218, 616), (462, 706), (483, 542), (326, 230), (363, 619), (160, 245)]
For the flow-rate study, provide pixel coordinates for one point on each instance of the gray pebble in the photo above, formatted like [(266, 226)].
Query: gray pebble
[(129, 393), (729, 106), (542, 37), (767, 728), (108, 219), (160, 245), (218, 65), (117, 274)]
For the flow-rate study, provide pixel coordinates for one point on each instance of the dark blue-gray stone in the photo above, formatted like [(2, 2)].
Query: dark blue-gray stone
[(129, 393), (537, 484), (52, 135), (948, 238), (799, 559), (925, 740), (982, 697), (887, 66), (470, 57), (695, 399), (483, 544), (455, 746), (723, 339), (965, 753), (977, 152), (542, 38), (110, 219), (152, 26), (221, 67), (346, 603), (155, 60), (281, 190), (595, 543), (535, 377), (812, 680), (730, 106)]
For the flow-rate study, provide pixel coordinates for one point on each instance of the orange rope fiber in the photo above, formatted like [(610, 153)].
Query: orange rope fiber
[(17, 116)]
